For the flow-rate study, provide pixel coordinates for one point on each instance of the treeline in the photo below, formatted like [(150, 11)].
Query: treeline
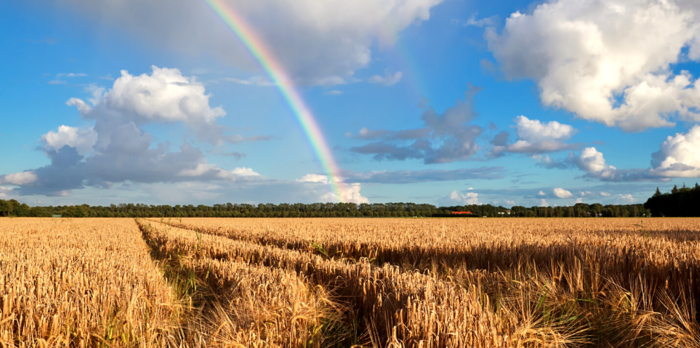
[(583, 210), (684, 201), (14, 208)]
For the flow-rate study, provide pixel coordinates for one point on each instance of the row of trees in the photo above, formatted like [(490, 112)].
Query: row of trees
[(684, 201), (14, 208)]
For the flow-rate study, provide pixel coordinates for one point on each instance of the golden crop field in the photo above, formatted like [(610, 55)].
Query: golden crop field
[(465, 282)]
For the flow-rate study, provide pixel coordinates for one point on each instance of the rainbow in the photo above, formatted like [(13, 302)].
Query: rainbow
[(285, 85)]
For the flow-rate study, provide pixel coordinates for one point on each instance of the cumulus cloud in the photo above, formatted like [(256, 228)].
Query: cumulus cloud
[(348, 192), (117, 150), (387, 80), (23, 178), (535, 137), (446, 137), (164, 96), (609, 62), (592, 162), (456, 198), (626, 198), (317, 42), (82, 140), (562, 193), (678, 156), (543, 203)]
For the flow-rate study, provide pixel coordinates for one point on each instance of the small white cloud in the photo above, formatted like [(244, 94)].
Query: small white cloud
[(534, 130), (82, 106), (387, 80), (71, 75), (349, 192), (627, 198), (483, 22), (541, 193), (465, 198), (252, 81), (23, 178), (543, 203), (579, 200), (605, 194), (57, 82), (314, 178), (535, 137), (203, 169), (243, 171), (562, 193)]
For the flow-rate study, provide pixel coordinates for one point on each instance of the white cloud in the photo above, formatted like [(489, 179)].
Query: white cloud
[(609, 61), (388, 79), (483, 22), (318, 42), (562, 193), (164, 96), (81, 139), (243, 171), (463, 198), (314, 178), (71, 75), (251, 81), (579, 200), (535, 137), (23, 178), (679, 155), (349, 192), (541, 193), (626, 198), (543, 203), (605, 194), (534, 130), (82, 106), (202, 169), (592, 161)]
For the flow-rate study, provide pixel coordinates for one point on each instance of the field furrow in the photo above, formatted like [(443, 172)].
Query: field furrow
[(406, 307)]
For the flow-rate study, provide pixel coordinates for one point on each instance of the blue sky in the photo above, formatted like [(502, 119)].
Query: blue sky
[(443, 102)]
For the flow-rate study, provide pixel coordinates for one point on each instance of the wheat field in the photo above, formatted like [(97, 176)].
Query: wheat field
[(467, 282)]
